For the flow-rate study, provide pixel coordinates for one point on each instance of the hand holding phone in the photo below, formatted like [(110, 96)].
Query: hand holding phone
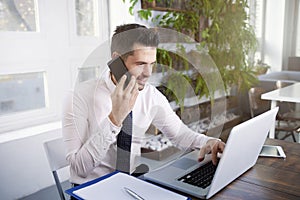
[(118, 69), (124, 99)]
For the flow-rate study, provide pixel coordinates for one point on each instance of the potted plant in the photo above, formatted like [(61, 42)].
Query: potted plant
[(221, 27), (261, 68)]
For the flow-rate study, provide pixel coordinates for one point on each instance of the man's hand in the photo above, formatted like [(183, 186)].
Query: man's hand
[(214, 147), (123, 100)]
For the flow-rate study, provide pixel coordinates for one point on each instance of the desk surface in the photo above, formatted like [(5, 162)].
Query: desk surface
[(290, 94), (270, 178)]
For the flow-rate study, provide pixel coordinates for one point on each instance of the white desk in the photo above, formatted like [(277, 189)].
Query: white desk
[(288, 94)]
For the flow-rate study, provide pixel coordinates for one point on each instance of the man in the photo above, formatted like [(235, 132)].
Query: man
[(94, 113)]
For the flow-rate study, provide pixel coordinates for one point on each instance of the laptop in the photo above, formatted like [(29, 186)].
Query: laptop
[(240, 154)]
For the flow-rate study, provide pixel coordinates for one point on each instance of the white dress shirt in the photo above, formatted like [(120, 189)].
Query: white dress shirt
[(90, 136)]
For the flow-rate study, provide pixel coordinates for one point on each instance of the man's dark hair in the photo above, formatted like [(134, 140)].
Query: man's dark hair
[(125, 36)]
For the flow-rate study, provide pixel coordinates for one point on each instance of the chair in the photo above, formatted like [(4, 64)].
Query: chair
[(57, 160), (289, 114), (258, 106), (284, 107), (293, 64)]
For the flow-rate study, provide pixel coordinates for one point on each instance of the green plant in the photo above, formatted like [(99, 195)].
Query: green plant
[(222, 27)]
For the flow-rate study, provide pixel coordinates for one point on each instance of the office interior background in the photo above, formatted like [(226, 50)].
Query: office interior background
[(44, 44)]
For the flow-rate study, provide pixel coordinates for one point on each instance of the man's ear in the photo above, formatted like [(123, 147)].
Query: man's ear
[(115, 55)]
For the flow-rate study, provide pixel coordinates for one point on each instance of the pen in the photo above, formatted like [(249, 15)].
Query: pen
[(133, 194)]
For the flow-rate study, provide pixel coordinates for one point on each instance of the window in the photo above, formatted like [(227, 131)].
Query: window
[(278, 38), (86, 18), (22, 92), (18, 15), (37, 63), (87, 73), (257, 10)]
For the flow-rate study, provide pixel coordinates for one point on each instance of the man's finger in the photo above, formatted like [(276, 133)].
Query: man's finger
[(135, 88), (217, 148), (214, 152), (203, 151), (121, 83), (201, 155), (130, 85), (134, 95)]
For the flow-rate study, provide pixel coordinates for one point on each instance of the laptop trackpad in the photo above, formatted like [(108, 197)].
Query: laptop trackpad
[(184, 163)]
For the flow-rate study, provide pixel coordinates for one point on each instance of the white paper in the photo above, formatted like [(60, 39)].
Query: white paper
[(113, 188)]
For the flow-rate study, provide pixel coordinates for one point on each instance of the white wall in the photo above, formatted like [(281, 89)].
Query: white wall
[(24, 167), (118, 14)]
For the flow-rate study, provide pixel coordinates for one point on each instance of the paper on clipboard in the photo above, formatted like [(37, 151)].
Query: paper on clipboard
[(113, 188)]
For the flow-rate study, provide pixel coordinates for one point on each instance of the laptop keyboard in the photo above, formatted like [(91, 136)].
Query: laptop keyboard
[(200, 177)]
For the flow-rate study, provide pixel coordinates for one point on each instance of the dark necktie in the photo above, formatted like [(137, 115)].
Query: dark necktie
[(124, 145)]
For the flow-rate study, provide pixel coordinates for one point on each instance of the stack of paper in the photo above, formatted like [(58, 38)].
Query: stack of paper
[(113, 188)]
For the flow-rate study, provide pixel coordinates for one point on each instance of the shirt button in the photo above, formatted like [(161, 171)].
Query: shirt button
[(114, 132)]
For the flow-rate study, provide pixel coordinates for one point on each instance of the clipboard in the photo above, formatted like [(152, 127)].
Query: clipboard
[(72, 190), (98, 188)]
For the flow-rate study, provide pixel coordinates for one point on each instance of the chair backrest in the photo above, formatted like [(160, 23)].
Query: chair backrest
[(55, 152), (257, 105), (294, 64)]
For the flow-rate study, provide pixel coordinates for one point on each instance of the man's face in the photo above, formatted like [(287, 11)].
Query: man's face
[(140, 64)]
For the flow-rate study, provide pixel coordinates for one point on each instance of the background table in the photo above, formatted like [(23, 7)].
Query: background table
[(288, 94)]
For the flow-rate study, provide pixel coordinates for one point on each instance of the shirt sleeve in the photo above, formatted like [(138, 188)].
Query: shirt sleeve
[(85, 149), (168, 122)]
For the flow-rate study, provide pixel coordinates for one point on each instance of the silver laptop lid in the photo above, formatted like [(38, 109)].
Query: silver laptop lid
[(242, 149)]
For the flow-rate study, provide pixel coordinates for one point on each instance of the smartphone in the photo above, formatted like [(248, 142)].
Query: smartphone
[(272, 151), (118, 69)]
